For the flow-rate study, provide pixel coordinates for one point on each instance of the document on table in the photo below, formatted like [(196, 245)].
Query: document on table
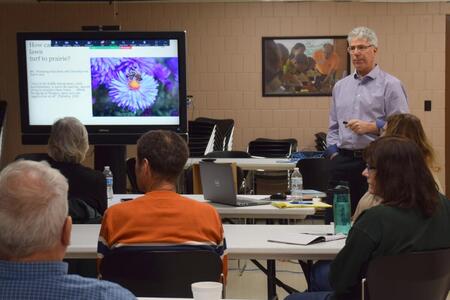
[(301, 204), (305, 238)]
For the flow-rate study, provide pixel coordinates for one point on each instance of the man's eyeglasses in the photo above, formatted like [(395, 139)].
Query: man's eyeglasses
[(360, 48)]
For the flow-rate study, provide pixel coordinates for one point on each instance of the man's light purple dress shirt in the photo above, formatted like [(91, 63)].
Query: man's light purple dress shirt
[(370, 98)]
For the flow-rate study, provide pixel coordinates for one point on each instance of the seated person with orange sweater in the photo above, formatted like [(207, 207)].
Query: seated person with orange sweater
[(161, 219)]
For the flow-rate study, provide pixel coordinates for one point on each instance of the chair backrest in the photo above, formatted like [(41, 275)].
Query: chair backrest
[(131, 173), (224, 132), (161, 273), (270, 182), (292, 141), (201, 138), (273, 181), (315, 172), (228, 154), (418, 275), (272, 148)]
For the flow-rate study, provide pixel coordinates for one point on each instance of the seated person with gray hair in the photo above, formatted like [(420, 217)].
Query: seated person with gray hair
[(67, 146), (35, 232)]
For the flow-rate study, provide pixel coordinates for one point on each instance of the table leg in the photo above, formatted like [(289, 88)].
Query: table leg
[(306, 268), (251, 177), (272, 280), (271, 284)]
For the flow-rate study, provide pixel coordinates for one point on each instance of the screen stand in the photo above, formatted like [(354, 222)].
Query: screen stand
[(113, 156)]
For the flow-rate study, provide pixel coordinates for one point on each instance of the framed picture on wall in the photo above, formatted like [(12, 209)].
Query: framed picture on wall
[(303, 66)]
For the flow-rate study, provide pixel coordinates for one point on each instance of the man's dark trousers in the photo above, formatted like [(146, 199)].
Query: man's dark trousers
[(348, 166)]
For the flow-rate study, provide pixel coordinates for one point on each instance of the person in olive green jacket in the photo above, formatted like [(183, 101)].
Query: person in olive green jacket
[(412, 216)]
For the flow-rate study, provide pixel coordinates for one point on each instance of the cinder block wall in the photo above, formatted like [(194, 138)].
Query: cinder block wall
[(224, 57)]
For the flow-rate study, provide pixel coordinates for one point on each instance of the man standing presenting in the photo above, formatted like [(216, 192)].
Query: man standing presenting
[(360, 104)]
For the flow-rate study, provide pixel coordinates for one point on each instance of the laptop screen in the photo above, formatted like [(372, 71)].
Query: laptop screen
[(218, 182)]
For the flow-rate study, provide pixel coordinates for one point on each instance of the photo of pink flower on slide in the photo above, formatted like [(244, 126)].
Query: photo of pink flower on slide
[(134, 86)]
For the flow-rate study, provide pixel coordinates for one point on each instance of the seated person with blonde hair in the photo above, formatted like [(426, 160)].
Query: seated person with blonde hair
[(408, 126), (35, 232)]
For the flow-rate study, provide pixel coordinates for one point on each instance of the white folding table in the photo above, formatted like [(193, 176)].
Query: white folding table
[(253, 163), (243, 242), (255, 212)]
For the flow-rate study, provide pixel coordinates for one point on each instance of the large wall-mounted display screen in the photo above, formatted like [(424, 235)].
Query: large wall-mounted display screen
[(119, 84)]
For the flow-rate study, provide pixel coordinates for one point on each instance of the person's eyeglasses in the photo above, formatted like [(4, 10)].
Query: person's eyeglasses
[(360, 48), (370, 168)]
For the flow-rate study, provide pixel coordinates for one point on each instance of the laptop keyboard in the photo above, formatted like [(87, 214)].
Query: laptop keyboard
[(248, 201)]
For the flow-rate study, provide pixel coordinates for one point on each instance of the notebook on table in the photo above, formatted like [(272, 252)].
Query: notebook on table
[(218, 186)]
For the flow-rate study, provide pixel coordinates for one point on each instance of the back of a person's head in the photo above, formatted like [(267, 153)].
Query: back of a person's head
[(68, 141), (165, 151), (402, 176), (409, 126), (33, 208)]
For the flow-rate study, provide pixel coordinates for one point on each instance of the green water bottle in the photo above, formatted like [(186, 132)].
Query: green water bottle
[(341, 209)]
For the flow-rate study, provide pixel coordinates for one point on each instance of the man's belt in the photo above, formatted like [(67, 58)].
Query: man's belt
[(351, 153)]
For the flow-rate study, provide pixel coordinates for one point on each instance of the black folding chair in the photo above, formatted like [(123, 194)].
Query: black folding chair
[(315, 172), (161, 273), (201, 138), (418, 275), (223, 137), (272, 147), (274, 181)]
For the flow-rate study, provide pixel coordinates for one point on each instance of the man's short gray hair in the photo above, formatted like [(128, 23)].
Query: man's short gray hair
[(363, 33), (33, 208), (68, 141)]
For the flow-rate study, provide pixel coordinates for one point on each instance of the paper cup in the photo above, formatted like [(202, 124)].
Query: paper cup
[(207, 290)]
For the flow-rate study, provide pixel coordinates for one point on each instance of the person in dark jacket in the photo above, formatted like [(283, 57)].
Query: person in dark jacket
[(67, 147), (412, 216)]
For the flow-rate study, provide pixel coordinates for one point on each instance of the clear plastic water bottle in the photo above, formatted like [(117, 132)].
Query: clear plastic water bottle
[(341, 209), (109, 182), (296, 184)]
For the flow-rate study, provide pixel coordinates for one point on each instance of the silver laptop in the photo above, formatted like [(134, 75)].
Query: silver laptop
[(218, 186)]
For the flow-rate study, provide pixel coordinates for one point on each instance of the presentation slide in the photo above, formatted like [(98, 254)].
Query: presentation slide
[(103, 82)]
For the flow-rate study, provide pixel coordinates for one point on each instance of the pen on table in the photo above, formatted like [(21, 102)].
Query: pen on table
[(344, 122), (301, 202), (312, 233)]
